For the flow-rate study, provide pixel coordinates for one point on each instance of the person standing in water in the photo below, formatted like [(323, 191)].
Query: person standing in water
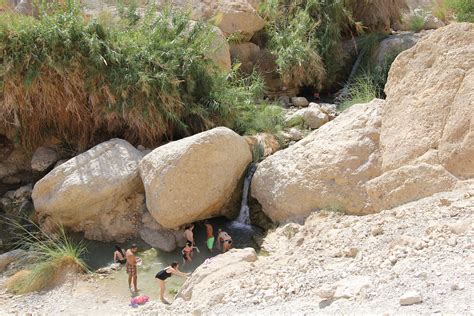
[(210, 235), (187, 252), (166, 273), (132, 267), (226, 240), (188, 233), (119, 256)]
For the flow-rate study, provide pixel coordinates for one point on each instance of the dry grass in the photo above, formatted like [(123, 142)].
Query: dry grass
[(377, 15)]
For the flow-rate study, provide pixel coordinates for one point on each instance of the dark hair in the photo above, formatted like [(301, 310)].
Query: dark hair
[(188, 226), (174, 264), (119, 249), (134, 246), (189, 243)]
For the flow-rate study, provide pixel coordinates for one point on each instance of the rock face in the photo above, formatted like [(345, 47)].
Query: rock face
[(430, 95), (98, 192), (369, 159), (327, 169), (216, 269), (194, 178), (158, 237), (408, 183)]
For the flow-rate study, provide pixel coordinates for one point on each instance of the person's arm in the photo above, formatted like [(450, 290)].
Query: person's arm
[(115, 257), (177, 272)]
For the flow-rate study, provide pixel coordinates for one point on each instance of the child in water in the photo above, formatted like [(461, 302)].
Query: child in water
[(188, 252)]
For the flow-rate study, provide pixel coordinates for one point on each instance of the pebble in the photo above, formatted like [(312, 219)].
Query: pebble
[(452, 241), (410, 298)]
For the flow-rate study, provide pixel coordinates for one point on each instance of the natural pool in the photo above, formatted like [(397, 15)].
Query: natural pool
[(100, 255)]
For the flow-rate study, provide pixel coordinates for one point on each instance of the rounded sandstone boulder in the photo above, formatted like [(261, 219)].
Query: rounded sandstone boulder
[(98, 192), (194, 178)]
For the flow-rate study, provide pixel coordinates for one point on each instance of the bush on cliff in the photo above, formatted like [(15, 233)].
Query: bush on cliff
[(82, 80), (306, 35)]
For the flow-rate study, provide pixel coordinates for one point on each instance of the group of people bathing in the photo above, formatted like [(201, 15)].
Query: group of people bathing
[(224, 243)]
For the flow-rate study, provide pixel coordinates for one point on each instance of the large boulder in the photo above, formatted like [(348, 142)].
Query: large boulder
[(430, 95), (246, 54), (327, 169), (216, 271), (312, 117), (98, 192), (195, 177), (231, 16), (393, 45)]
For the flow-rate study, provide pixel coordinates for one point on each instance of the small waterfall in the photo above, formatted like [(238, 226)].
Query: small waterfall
[(244, 214)]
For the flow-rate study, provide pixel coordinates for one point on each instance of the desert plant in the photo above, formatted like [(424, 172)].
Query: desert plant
[(441, 10), (376, 15), (417, 22), (463, 9), (363, 90), (53, 257), (258, 152)]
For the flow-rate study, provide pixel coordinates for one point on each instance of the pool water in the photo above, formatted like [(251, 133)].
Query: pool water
[(100, 254)]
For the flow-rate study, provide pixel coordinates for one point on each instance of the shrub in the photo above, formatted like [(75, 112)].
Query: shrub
[(417, 22), (463, 9), (363, 90), (53, 257), (146, 80)]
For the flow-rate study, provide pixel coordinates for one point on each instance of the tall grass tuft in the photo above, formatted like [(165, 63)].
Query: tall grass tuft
[(53, 257), (363, 90)]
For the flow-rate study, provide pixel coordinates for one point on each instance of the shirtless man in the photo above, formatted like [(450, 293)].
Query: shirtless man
[(226, 240), (188, 234), (132, 267)]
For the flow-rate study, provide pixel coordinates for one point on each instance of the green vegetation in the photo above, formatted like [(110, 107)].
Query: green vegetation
[(363, 90), (417, 22), (306, 35), (369, 80), (146, 80), (52, 258), (463, 9)]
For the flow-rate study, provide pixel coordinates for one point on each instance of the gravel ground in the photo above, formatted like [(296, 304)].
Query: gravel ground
[(420, 254)]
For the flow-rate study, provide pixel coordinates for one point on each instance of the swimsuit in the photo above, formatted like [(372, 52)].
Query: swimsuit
[(210, 242), (123, 261), (162, 275), (186, 253), (131, 269)]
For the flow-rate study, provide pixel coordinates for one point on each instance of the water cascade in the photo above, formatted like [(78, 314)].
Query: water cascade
[(244, 214)]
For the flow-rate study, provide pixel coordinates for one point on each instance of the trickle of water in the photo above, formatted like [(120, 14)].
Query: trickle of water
[(244, 214)]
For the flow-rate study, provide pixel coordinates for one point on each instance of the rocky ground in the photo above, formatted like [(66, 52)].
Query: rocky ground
[(420, 254)]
